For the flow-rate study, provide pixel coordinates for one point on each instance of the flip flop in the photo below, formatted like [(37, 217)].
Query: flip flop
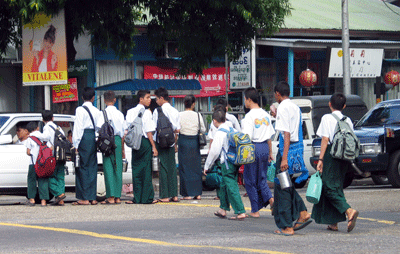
[(162, 201), (107, 202), (220, 215), (79, 203), (251, 216), (302, 224), (59, 198), (281, 233), (332, 229), (155, 201), (197, 198), (352, 222), (236, 218), (94, 202), (27, 203), (172, 200)]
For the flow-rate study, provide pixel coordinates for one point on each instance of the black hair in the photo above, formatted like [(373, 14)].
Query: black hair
[(252, 94), (162, 92), (50, 34), (283, 88), (31, 126), (189, 100), (142, 93), (21, 125), (88, 93), (220, 107), (223, 102), (338, 101), (47, 115), (69, 132), (219, 116), (109, 96)]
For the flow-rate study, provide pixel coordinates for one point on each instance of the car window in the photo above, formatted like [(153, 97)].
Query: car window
[(65, 125), (381, 116), (3, 120)]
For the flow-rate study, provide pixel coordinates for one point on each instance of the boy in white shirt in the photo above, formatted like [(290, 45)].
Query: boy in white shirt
[(112, 164), (257, 124), (289, 206), (229, 190), (142, 159), (333, 207), (42, 183), (168, 175)]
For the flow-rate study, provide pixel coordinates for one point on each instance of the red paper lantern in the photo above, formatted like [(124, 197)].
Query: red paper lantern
[(392, 77), (308, 78)]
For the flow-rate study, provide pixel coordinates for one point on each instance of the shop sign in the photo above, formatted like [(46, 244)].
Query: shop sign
[(240, 71), (212, 80), (78, 68), (44, 56), (364, 63), (67, 92)]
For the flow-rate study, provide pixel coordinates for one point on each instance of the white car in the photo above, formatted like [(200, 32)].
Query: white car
[(14, 161)]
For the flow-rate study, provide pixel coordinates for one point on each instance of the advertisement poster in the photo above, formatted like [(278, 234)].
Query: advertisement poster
[(364, 63), (65, 92), (240, 71), (44, 56), (212, 81)]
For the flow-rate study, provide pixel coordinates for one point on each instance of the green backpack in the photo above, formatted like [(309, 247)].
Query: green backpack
[(345, 144)]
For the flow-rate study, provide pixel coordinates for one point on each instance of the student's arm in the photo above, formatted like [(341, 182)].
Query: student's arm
[(214, 152), (271, 157), (153, 144), (286, 144), (28, 151), (324, 145)]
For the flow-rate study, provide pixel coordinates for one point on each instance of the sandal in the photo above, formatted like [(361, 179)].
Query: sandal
[(93, 202), (59, 198), (352, 222), (198, 197), (79, 203), (331, 228), (107, 202), (174, 200), (220, 215), (237, 218)]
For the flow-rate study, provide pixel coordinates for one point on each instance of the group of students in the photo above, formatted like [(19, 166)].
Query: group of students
[(287, 207)]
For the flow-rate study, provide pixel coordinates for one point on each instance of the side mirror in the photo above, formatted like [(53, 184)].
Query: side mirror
[(5, 139)]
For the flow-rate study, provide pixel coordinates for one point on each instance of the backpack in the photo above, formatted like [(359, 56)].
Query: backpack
[(165, 133), (63, 149), (133, 138), (46, 162), (345, 144), (241, 150), (105, 140)]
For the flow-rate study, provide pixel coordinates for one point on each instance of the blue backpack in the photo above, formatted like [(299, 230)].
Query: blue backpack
[(241, 150)]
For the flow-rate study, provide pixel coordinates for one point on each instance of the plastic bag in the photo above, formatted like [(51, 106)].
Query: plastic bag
[(314, 188), (271, 171)]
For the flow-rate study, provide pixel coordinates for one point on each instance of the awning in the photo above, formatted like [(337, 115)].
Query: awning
[(174, 87)]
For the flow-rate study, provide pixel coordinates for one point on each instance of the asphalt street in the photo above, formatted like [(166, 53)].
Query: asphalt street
[(190, 227)]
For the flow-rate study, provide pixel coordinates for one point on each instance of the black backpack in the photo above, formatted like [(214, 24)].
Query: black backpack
[(106, 140), (165, 133), (63, 149)]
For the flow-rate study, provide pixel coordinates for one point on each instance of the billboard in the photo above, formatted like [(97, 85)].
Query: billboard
[(44, 54), (67, 92)]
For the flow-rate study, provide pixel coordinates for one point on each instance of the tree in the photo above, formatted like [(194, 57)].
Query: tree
[(203, 29)]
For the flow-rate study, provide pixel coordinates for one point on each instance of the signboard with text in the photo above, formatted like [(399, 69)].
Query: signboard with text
[(364, 63), (65, 92), (240, 71), (212, 81)]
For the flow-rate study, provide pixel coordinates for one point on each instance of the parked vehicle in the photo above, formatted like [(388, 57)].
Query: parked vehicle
[(14, 161)]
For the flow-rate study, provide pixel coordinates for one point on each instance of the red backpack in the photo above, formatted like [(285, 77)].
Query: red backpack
[(46, 162)]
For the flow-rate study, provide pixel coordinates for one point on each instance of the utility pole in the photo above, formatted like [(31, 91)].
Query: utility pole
[(226, 77), (345, 48)]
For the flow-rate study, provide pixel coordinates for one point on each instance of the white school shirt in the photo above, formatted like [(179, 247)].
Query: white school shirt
[(171, 113), (328, 124), (231, 118), (257, 124), (83, 121), (220, 141), (288, 119), (147, 119), (33, 146), (48, 133), (213, 129), (190, 122), (116, 118)]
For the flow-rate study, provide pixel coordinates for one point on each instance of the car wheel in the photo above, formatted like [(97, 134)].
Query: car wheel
[(298, 185), (348, 179), (393, 172), (101, 187), (380, 179)]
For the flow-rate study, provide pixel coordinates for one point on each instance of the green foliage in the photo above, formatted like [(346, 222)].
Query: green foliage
[(203, 29)]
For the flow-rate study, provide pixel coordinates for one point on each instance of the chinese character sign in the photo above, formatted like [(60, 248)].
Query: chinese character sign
[(240, 71), (212, 80), (364, 63), (67, 92), (44, 56)]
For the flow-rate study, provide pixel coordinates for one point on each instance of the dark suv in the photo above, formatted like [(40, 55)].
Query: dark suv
[(379, 134)]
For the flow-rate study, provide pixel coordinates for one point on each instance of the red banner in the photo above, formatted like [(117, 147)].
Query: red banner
[(67, 92), (212, 81)]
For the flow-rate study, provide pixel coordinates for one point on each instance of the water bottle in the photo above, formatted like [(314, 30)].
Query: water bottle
[(77, 161), (124, 165), (155, 163)]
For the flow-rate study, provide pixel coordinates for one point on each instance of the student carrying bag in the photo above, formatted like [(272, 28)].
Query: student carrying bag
[(345, 144), (241, 150), (63, 149), (106, 139), (133, 138), (46, 162), (165, 133)]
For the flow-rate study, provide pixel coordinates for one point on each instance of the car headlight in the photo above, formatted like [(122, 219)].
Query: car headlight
[(316, 151), (371, 149)]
